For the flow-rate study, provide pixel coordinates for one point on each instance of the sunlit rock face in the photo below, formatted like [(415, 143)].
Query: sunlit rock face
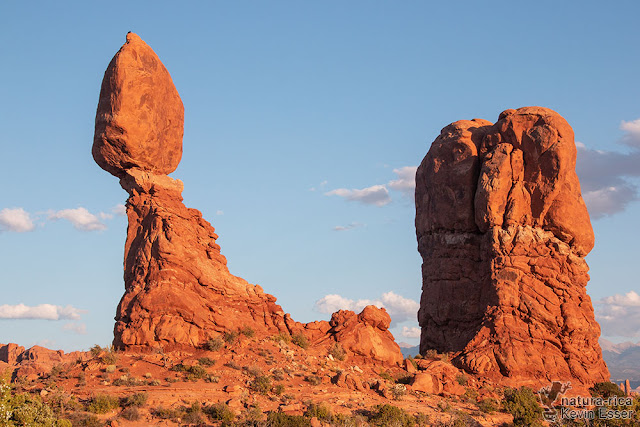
[(179, 292), (503, 232)]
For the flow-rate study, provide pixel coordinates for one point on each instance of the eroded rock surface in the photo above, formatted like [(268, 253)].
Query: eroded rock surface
[(503, 231), (178, 289)]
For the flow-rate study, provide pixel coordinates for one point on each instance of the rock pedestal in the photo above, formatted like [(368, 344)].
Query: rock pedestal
[(178, 290), (503, 232)]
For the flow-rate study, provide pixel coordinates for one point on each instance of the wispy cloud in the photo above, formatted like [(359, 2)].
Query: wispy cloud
[(399, 308), (42, 311), (119, 210), (412, 332), (406, 181), (347, 227), (80, 218), (78, 328), (632, 133), (16, 219), (619, 315), (377, 195)]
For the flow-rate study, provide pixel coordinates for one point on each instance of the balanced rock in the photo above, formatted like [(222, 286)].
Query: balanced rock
[(178, 289), (503, 231)]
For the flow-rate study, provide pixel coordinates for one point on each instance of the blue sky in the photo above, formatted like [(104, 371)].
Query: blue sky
[(302, 123)]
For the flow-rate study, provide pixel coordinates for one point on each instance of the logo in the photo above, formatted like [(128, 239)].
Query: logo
[(549, 398)]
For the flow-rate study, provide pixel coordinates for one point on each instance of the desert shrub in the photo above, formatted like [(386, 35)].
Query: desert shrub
[(137, 399), (389, 415), (337, 352), (206, 361), (166, 413), (278, 374), (131, 413), (320, 411), (423, 420), (462, 379), (470, 395), (95, 350), (522, 403), (278, 419), (213, 344), (210, 378), (300, 340), (488, 405), (247, 331), (110, 369), (254, 371), (192, 414), (444, 406), (278, 389), (386, 376), (192, 372), (126, 380), (313, 379), (606, 390), (103, 403), (109, 358), (233, 365), (398, 390), (26, 410), (148, 375), (154, 383), (230, 337), (261, 384), (82, 419), (56, 371), (462, 419), (282, 337), (219, 412), (430, 354)]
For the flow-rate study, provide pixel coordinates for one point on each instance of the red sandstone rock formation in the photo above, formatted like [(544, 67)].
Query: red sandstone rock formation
[(503, 231), (178, 290)]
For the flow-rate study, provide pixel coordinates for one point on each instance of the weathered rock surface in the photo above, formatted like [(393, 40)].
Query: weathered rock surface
[(178, 289), (139, 123), (503, 231)]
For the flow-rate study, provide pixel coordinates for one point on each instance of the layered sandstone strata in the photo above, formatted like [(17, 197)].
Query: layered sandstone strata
[(503, 232)]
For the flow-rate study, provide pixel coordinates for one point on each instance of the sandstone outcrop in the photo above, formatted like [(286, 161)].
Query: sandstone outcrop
[(178, 289), (503, 232)]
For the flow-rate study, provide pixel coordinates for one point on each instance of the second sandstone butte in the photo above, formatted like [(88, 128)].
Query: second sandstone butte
[(503, 232), (179, 292)]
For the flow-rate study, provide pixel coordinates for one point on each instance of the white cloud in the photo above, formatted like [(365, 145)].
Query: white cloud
[(619, 315), (406, 181), (119, 210), (42, 311), (412, 332), (604, 175), (347, 227), (81, 219), (78, 328), (377, 195), (219, 212), (632, 135), (17, 220), (399, 308)]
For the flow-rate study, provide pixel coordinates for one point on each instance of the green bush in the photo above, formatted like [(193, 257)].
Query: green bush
[(462, 379), (278, 419), (261, 384), (313, 379), (386, 376), (278, 389), (337, 352), (213, 344), (103, 403), (300, 340), (606, 390), (219, 412), (166, 413), (522, 403), (389, 415), (206, 361), (488, 405), (230, 337), (320, 411), (247, 331), (137, 399), (131, 413), (82, 419), (282, 337)]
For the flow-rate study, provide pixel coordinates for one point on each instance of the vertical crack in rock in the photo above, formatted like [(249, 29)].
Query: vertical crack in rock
[(503, 232)]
